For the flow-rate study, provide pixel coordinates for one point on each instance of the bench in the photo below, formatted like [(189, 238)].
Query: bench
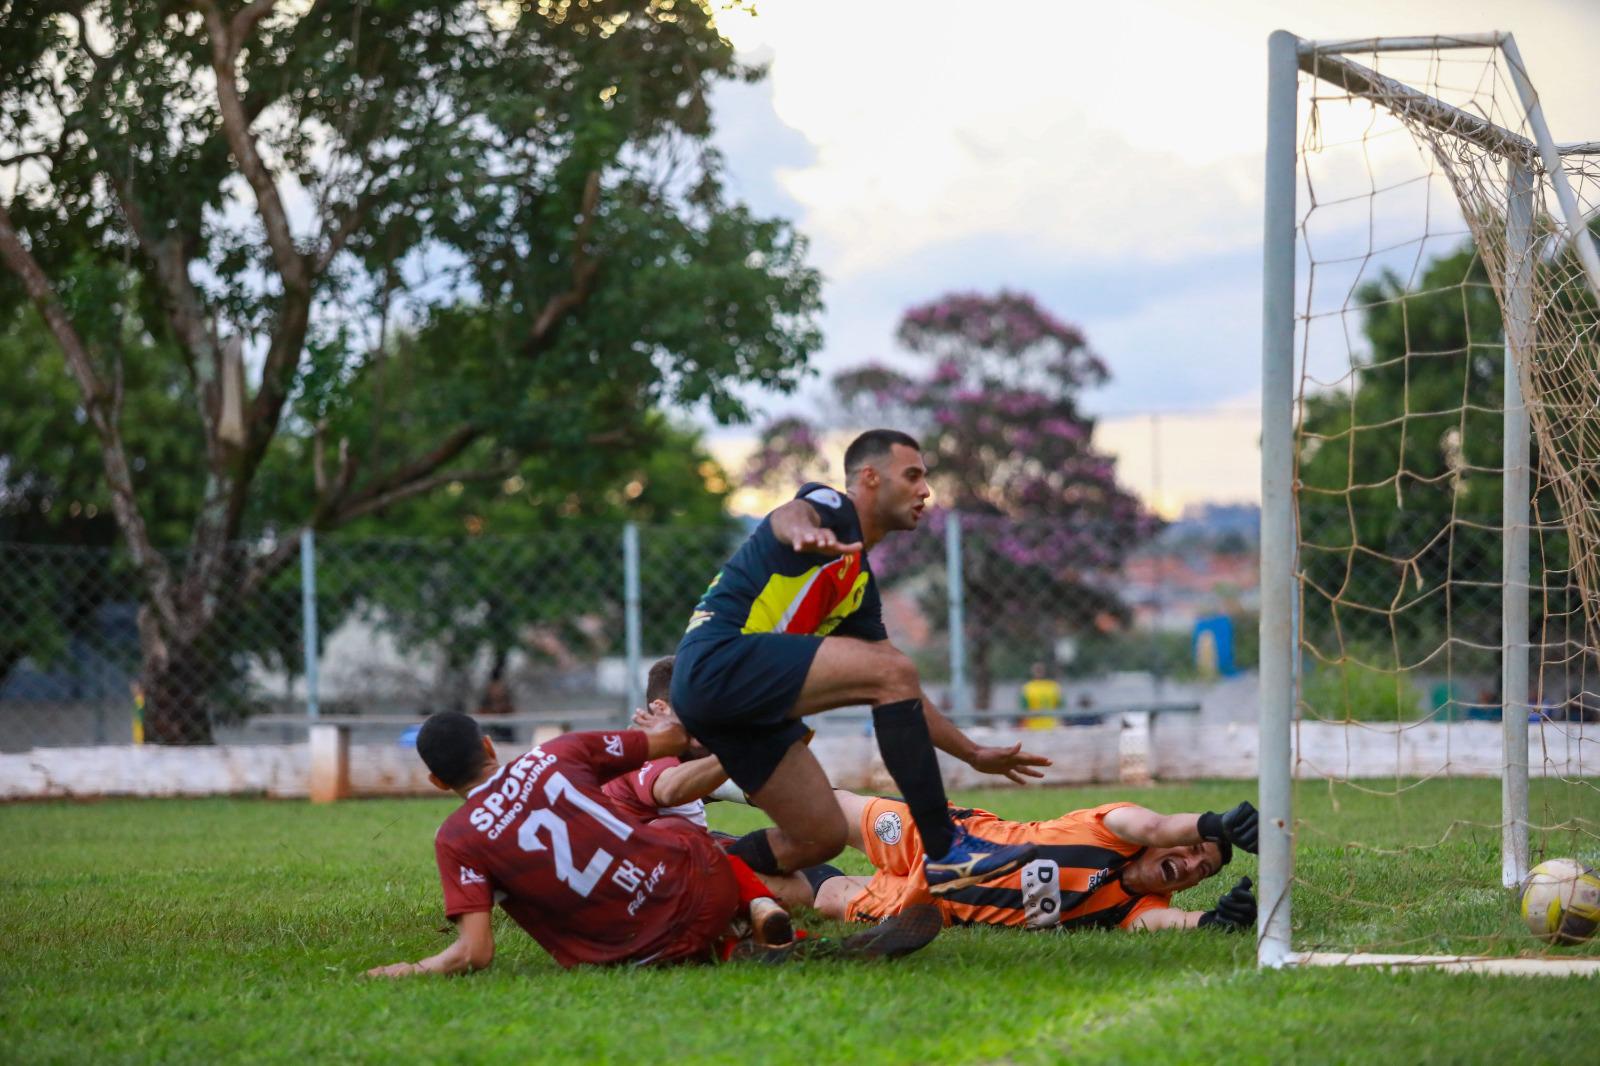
[(329, 737)]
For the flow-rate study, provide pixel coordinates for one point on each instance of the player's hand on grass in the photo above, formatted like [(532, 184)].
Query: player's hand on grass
[(1012, 762), (820, 541), (1235, 911), (397, 969), (659, 721), (1238, 826)]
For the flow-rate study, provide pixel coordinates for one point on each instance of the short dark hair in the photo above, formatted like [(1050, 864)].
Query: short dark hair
[(451, 744), (658, 685), (873, 445)]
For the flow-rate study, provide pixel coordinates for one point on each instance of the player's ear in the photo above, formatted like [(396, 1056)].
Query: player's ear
[(433, 779), (489, 752), (659, 706)]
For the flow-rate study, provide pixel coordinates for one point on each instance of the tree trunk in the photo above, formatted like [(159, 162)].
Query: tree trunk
[(177, 680)]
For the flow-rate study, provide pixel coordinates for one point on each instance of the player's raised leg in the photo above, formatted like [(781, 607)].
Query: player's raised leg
[(846, 672)]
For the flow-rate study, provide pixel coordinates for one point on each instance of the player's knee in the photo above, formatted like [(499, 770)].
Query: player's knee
[(898, 678), (823, 840)]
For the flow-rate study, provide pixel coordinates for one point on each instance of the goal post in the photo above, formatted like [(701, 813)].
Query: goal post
[(1441, 185)]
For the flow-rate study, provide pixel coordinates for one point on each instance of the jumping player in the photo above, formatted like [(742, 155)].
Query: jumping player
[(793, 625), (536, 836), (1112, 866)]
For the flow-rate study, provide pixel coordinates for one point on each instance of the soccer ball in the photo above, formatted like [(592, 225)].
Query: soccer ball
[(1561, 901)]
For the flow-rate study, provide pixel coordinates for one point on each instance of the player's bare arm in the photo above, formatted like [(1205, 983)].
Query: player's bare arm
[(473, 950), (1235, 912), (1010, 762), (687, 782), (797, 524), (1138, 825)]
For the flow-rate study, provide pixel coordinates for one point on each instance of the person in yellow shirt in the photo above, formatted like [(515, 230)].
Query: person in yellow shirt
[(1039, 694)]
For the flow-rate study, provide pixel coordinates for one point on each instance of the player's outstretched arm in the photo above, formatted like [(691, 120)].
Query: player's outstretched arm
[(1235, 912), (1010, 762), (1138, 825), (473, 950), (796, 524), (687, 782)]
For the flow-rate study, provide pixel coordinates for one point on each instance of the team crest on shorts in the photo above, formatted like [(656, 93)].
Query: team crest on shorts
[(888, 827)]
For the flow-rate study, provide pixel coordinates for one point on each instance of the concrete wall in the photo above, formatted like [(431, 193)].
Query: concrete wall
[(255, 769), (1179, 749), (1183, 749), (1081, 755)]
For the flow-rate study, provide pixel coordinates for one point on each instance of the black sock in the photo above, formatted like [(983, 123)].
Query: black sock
[(910, 759), (816, 876), (756, 851)]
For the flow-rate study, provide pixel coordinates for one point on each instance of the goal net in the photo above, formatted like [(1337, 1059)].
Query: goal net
[(1432, 463)]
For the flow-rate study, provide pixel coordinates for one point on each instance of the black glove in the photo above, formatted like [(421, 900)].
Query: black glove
[(1235, 911), (1237, 827)]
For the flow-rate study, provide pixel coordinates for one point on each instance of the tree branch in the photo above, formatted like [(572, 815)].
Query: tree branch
[(453, 445), (224, 55), (585, 268), (366, 504), (185, 311), (244, 22), (101, 407)]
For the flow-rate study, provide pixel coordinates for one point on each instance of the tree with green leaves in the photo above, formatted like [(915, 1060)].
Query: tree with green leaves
[(1399, 505), (299, 204), (1045, 525)]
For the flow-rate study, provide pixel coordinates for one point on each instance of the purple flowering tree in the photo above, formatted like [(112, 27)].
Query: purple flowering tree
[(1045, 524)]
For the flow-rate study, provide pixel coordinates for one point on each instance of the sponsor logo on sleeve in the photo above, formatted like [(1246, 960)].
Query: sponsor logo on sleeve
[(888, 828), (825, 496), (469, 876), (614, 746)]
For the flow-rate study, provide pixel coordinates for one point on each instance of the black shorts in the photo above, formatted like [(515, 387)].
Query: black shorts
[(734, 691)]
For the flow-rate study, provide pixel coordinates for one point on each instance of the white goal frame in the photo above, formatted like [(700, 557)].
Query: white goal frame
[(1288, 56)]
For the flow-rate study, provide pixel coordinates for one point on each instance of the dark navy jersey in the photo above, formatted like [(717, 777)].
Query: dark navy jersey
[(768, 587)]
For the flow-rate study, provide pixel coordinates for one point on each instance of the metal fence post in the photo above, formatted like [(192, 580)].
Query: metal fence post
[(308, 614), (1273, 945), (960, 698), (630, 611)]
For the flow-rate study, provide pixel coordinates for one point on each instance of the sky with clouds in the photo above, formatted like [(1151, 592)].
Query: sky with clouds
[(1105, 157)]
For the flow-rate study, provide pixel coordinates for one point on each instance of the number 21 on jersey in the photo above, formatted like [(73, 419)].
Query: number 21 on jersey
[(543, 818)]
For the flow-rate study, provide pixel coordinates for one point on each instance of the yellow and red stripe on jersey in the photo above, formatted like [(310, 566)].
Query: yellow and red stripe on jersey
[(812, 603), (1072, 884)]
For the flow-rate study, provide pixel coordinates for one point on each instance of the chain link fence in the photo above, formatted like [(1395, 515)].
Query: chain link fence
[(564, 623)]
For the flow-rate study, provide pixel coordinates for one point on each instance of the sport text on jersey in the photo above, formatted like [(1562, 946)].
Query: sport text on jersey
[(494, 817)]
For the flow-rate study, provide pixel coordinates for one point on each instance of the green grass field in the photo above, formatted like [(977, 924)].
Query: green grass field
[(201, 931)]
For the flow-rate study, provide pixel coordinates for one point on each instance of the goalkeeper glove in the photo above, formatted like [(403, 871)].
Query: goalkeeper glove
[(1235, 911), (1236, 827)]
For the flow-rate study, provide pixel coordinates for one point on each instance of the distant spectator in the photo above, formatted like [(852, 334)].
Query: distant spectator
[(1039, 694), (497, 700)]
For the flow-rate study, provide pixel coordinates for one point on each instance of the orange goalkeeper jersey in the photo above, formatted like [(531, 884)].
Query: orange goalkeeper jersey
[(1073, 883)]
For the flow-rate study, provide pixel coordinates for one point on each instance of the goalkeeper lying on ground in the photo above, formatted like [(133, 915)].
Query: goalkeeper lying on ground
[(1113, 866)]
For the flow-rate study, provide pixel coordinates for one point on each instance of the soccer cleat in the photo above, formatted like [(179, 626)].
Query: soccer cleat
[(770, 924), (971, 860), (910, 930)]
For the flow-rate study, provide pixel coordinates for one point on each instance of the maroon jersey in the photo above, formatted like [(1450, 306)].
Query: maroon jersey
[(589, 886), (633, 794)]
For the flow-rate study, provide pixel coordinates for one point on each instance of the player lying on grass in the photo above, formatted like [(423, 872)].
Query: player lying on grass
[(537, 837), (1113, 866)]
